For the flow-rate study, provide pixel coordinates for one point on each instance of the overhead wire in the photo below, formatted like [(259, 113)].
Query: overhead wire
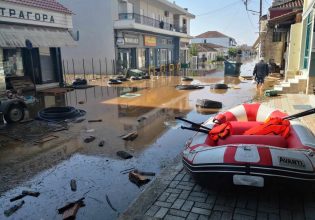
[(218, 9)]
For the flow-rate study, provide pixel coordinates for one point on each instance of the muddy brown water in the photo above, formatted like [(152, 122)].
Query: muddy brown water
[(148, 106)]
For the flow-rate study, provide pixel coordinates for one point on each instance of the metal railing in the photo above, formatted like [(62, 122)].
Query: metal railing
[(140, 19)]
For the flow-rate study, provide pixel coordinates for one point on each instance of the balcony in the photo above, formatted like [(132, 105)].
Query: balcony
[(144, 20)]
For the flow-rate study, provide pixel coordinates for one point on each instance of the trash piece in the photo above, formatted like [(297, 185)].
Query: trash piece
[(25, 193), (101, 144), (70, 205), (73, 185), (97, 120), (130, 136), (60, 129), (138, 179), (143, 173), (79, 120), (141, 119), (71, 212), (110, 204), (90, 130), (89, 139), (30, 193), (26, 121), (127, 170), (17, 198), (207, 103), (46, 139), (13, 209), (124, 155), (81, 102)]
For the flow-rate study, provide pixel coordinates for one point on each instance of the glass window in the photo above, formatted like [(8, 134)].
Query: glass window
[(141, 58), (13, 62), (152, 57), (170, 57), (163, 57), (276, 36), (2, 77), (307, 40)]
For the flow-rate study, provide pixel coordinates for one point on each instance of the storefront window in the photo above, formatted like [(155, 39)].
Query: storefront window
[(308, 27), (12, 62), (123, 59), (141, 58), (2, 77), (163, 56), (170, 57), (152, 56)]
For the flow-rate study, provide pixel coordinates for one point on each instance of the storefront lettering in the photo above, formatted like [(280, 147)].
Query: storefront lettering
[(27, 15), (150, 41)]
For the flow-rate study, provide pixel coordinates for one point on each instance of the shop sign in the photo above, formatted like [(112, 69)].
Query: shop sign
[(149, 41), (131, 40), (26, 15)]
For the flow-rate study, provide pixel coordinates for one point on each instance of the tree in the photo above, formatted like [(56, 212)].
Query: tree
[(232, 52), (193, 50)]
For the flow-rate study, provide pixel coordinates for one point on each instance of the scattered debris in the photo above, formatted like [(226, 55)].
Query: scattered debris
[(13, 209), (130, 136), (73, 185), (90, 130), (97, 120), (124, 155), (26, 121), (81, 102), (61, 129), (70, 210), (138, 179), (101, 144), (141, 119), (79, 120), (127, 170), (89, 139), (46, 139), (110, 204), (144, 173), (25, 193), (207, 103)]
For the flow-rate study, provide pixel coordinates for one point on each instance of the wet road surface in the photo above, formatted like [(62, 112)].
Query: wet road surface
[(147, 106)]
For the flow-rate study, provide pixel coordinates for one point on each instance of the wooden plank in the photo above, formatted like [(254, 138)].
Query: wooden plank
[(46, 139)]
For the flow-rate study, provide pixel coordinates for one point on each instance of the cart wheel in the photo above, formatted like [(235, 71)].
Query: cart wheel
[(14, 114)]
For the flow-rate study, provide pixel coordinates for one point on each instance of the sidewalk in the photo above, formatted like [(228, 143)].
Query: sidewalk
[(175, 195)]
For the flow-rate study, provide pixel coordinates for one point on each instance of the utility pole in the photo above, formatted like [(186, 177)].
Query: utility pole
[(260, 15)]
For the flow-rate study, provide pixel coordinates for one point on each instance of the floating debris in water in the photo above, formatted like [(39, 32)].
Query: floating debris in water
[(124, 155), (13, 209)]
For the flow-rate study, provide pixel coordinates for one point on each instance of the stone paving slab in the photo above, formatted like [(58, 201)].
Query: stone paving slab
[(176, 195)]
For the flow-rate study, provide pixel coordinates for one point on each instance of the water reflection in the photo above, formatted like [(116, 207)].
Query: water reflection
[(150, 111)]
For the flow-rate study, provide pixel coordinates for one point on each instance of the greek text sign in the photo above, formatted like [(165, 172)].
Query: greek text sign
[(26, 15), (149, 41)]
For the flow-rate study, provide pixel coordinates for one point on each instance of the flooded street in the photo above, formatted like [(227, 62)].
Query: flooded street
[(146, 106)]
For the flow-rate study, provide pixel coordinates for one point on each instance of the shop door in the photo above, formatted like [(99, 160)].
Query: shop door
[(46, 65), (123, 59)]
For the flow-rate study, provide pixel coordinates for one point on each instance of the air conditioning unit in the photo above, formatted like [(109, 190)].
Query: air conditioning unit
[(166, 13)]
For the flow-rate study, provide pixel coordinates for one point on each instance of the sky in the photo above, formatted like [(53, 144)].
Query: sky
[(226, 16)]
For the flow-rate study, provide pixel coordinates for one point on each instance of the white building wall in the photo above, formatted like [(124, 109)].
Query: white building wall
[(94, 21), (225, 42)]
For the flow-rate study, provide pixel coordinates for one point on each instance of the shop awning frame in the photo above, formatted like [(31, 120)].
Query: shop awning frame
[(14, 36)]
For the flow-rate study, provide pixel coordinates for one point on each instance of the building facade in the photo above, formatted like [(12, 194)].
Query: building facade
[(45, 25), (133, 33), (214, 37)]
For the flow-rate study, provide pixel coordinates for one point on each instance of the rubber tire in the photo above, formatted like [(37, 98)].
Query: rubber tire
[(12, 107), (189, 87), (206, 103), (187, 79), (220, 86)]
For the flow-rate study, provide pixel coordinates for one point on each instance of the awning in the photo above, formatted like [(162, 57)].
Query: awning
[(288, 17), (15, 36)]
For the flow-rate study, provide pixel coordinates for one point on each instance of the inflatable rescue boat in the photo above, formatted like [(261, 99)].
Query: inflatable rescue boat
[(250, 144)]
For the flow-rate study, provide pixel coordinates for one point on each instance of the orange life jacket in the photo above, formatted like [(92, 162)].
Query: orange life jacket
[(273, 126), (220, 131)]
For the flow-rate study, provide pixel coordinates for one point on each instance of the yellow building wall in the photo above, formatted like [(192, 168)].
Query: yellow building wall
[(294, 55), (307, 4)]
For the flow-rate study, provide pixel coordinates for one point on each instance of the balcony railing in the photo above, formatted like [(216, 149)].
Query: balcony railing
[(140, 19)]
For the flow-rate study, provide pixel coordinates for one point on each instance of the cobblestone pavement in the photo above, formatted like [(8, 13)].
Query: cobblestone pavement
[(176, 195), (185, 199)]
